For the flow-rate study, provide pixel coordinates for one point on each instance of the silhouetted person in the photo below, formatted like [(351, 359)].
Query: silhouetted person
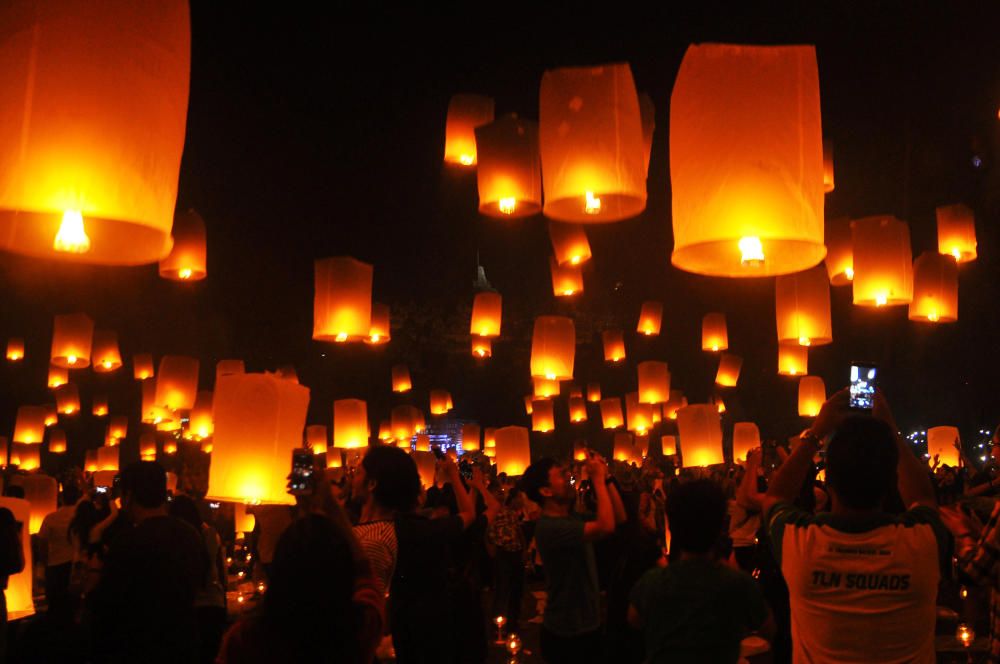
[(56, 549), (11, 563)]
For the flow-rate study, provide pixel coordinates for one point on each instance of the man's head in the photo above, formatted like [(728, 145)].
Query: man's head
[(144, 487), (70, 493), (861, 463), (388, 476), (546, 480), (696, 512)]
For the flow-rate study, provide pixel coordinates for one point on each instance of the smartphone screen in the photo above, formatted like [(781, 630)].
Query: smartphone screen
[(302, 470), (863, 381), (101, 489)]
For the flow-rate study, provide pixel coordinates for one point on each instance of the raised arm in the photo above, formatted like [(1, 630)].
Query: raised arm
[(604, 525), (747, 494), (466, 507)]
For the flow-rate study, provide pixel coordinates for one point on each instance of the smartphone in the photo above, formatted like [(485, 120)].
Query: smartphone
[(863, 382), (300, 481), (213, 505), (101, 489)]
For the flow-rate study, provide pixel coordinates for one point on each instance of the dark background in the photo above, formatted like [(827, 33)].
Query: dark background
[(313, 135)]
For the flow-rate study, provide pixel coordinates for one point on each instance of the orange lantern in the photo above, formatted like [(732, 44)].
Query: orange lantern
[(426, 464), (187, 259), (650, 318), (509, 173), (142, 366), (828, 181), (676, 401), (729, 370), (342, 306), (654, 382), (746, 161), (258, 422), (401, 379), (545, 388), (542, 416), (714, 335), (746, 436), (580, 451), (489, 438), (385, 430), (67, 399), (701, 435), (566, 281), (334, 458), (99, 405), (614, 345), (611, 413), (150, 412), (20, 603), (956, 226), (569, 243), (590, 138), (802, 308), (470, 438), (405, 421), (15, 349), (422, 443), (573, 390), (98, 184), (51, 416), (244, 521), (350, 423), (593, 392), (170, 447), (812, 394), (200, 424), (720, 405), (883, 262), (169, 423), (72, 338), (90, 461), (57, 441), (465, 113), (935, 288), (638, 415), (647, 115), (107, 458), (793, 360), (577, 410), (440, 402), (513, 450), (482, 347), (553, 346), (177, 382), (486, 310), (58, 376), (657, 412), (105, 353), (668, 445), (147, 447), (624, 449), (118, 427), (316, 438), (839, 252), (26, 457), (41, 492), (378, 331), (528, 401), (110, 440), (941, 443)]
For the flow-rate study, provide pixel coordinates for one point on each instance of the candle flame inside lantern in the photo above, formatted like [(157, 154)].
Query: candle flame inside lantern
[(341, 337), (71, 359), (71, 237), (593, 205), (507, 205), (752, 251), (849, 273), (185, 273), (466, 160), (881, 299)]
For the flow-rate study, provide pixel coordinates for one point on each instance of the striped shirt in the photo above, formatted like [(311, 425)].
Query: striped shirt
[(982, 563), (378, 540)]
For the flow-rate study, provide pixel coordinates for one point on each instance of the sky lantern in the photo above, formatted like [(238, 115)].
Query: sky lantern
[(29, 427), (107, 458), (623, 448), (529, 401), (229, 368), (489, 438), (839, 251), (746, 161), (150, 413), (647, 116), (650, 318), (426, 464), (729, 370), (509, 172), (244, 521), (545, 388), (542, 415), (611, 413), (676, 401), (700, 432), (793, 360), (378, 331), (99, 405), (350, 423), (316, 438), (401, 378), (573, 390), (26, 457), (57, 441), (802, 308), (170, 447), (118, 427), (657, 412), (465, 113), (258, 422), (654, 382), (569, 243), (590, 138), (580, 450), (668, 445), (170, 423), (935, 288), (200, 424), (566, 281), (470, 437), (513, 450), (51, 415), (58, 376), (746, 436), (422, 443), (334, 458), (342, 305), (593, 392), (883, 262), (714, 335), (385, 430), (812, 395), (177, 382), (440, 402), (109, 439), (956, 226), (577, 410), (15, 349), (72, 338), (147, 447), (720, 405), (614, 345), (42, 493), (941, 443), (106, 356), (20, 603), (90, 461), (482, 347), (187, 258), (405, 420), (639, 416), (828, 180), (553, 347), (99, 184), (486, 313), (68, 399), (142, 366)]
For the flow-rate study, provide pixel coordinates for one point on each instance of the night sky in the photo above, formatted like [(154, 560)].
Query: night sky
[(312, 135)]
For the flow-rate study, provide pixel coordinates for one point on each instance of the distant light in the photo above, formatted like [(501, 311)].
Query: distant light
[(976, 161)]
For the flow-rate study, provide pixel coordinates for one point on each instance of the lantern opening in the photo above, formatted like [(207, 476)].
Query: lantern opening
[(593, 203), (71, 359), (185, 273), (375, 338), (507, 205), (957, 253), (932, 316), (341, 337), (881, 300), (804, 341), (71, 237), (752, 251), (466, 160)]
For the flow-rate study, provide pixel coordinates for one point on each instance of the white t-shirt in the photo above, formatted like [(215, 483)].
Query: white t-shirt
[(55, 531)]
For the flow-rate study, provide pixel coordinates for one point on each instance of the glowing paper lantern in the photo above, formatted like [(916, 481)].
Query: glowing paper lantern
[(107, 458), (614, 345), (793, 360), (440, 402), (350, 423), (657, 412), (482, 347), (528, 401), (486, 313), (426, 466), (746, 161), (624, 448), (956, 226), (542, 416), (20, 603), (169, 447), (67, 399), (590, 138), (839, 252), (719, 404), (935, 288), (509, 173), (334, 458), (883, 262), (611, 413), (650, 318), (90, 461), (187, 258), (401, 379), (654, 382), (714, 335), (385, 430), (316, 438), (545, 388), (41, 492), (378, 331), (812, 394), (638, 415), (746, 436), (258, 422), (593, 392), (422, 443), (118, 427), (51, 416), (147, 447), (200, 424), (941, 443), (106, 356), (729, 370), (58, 376), (513, 450), (828, 180), (579, 451), (489, 438), (577, 410), (647, 115), (72, 338), (470, 437), (405, 420), (98, 184), (802, 308), (26, 457), (15, 349), (553, 346), (99, 405), (701, 435), (668, 445), (573, 390), (57, 441), (142, 366), (342, 306), (569, 243), (465, 113), (566, 281), (676, 401), (177, 382), (244, 521)]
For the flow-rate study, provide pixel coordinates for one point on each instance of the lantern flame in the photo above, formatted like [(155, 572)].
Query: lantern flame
[(957, 253), (575, 260), (881, 299), (715, 348), (849, 273), (568, 291), (71, 237), (932, 316), (804, 341), (107, 364), (71, 359), (752, 251), (466, 159), (341, 337), (185, 273), (507, 205), (375, 338), (593, 203)]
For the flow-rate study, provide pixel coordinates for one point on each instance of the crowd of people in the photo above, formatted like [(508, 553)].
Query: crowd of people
[(633, 563)]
